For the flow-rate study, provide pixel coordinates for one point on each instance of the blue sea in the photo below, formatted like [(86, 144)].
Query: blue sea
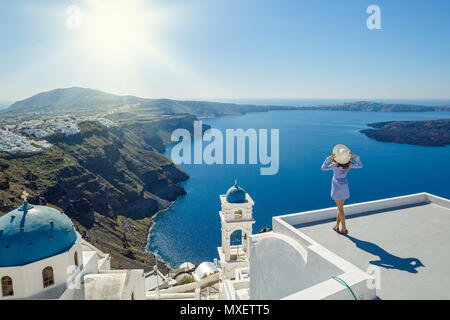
[(190, 229)]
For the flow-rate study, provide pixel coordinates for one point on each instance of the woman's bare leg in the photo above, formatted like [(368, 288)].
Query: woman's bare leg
[(342, 214), (338, 216)]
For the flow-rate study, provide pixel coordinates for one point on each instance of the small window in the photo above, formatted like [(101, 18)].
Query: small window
[(48, 278), (238, 214), (7, 287), (75, 258)]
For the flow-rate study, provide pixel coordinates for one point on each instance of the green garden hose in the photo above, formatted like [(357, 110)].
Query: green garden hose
[(345, 284)]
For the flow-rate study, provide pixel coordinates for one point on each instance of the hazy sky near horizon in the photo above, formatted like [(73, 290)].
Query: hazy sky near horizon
[(210, 49)]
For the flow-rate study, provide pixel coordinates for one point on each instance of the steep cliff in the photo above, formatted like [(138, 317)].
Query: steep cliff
[(108, 181)]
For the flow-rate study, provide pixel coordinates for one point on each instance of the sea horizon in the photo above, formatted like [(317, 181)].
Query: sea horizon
[(312, 102)]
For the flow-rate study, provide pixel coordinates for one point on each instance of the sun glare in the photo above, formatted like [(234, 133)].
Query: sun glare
[(124, 40), (115, 30)]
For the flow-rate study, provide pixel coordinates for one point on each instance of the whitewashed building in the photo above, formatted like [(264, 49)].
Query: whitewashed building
[(42, 256)]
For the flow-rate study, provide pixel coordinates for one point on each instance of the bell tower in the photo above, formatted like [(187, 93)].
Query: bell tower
[(236, 217)]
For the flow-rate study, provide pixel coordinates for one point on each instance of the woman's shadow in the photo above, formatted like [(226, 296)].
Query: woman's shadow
[(387, 260)]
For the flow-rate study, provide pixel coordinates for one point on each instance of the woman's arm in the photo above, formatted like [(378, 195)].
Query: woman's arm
[(326, 166), (358, 163)]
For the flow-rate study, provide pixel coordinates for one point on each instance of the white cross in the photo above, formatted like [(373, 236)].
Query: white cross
[(24, 195)]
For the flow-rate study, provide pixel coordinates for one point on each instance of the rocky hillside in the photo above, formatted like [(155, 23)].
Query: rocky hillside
[(108, 181), (89, 101), (70, 100)]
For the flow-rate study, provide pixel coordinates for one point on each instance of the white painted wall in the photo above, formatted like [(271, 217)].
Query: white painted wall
[(135, 284), (27, 279), (280, 266)]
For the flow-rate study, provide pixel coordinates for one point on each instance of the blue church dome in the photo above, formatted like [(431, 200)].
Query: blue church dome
[(236, 194), (31, 233)]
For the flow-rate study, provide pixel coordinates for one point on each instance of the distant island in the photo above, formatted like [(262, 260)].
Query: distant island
[(424, 133), (377, 107)]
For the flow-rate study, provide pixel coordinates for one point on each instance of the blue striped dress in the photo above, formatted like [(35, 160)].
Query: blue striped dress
[(339, 183)]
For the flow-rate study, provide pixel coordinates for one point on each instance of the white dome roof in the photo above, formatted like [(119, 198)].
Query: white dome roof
[(32, 233), (187, 266), (205, 268)]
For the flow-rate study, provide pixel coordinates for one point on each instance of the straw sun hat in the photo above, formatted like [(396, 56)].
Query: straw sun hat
[(342, 154)]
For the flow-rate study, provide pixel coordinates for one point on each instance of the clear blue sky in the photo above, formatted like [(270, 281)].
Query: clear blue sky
[(209, 49)]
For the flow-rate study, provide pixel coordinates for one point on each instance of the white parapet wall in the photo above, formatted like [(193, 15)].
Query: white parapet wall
[(279, 222), (287, 264), (234, 289)]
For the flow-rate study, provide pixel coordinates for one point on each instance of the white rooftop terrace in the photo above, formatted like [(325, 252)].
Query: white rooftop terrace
[(407, 237)]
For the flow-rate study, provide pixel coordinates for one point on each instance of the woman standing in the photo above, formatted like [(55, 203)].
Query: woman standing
[(340, 164)]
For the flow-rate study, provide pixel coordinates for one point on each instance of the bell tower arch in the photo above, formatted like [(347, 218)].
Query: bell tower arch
[(237, 221)]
